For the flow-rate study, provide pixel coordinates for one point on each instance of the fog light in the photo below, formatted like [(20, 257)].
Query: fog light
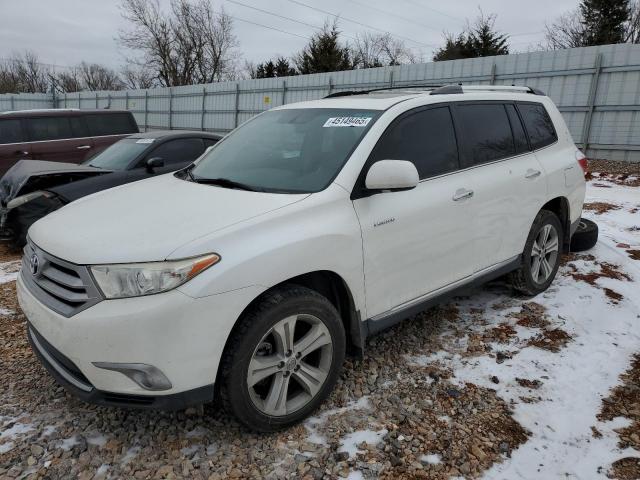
[(147, 376)]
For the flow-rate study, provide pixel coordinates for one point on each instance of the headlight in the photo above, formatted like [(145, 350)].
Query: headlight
[(136, 279), (22, 199)]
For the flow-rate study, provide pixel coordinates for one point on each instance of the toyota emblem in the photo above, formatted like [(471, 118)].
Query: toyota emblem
[(34, 264)]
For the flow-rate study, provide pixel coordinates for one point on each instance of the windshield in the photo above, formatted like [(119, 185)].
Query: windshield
[(119, 155), (292, 151)]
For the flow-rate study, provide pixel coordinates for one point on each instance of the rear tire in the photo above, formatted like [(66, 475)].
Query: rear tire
[(283, 359), (541, 255), (585, 236)]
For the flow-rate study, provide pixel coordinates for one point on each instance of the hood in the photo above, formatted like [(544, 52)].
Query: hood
[(31, 175), (147, 220)]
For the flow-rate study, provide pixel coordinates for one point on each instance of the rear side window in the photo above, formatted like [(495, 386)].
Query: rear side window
[(486, 133), (538, 124), (10, 131), (426, 138), (110, 124), (179, 150), (49, 128), (79, 127), (519, 137)]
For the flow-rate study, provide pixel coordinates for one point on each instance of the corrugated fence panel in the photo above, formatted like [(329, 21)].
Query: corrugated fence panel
[(596, 88)]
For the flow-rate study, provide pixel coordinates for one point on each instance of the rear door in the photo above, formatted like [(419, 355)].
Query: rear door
[(506, 179), (13, 144), (109, 127), (419, 240), (58, 139)]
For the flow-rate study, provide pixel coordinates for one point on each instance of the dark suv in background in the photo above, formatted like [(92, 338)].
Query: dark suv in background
[(60, 135)]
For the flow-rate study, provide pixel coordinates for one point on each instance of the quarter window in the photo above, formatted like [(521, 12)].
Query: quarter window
[(49, 128), (426, 138), (110, 124), (486, 133), (538, 124), (10, 131)]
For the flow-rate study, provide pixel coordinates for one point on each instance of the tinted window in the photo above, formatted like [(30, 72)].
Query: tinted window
[(519, 137), (79, 127), (426, 138), (10, 131), (538, 124), (179, 150), (486, 133), (110, 124), (49, 128)]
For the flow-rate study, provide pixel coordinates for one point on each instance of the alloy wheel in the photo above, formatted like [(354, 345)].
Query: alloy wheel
[(290, 365), (544, 253)]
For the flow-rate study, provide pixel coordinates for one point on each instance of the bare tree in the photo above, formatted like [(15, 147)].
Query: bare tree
[(632, 30), (191, 44), (380, 49), (68, 81), (98, 77), (135, 78), (24, 73)]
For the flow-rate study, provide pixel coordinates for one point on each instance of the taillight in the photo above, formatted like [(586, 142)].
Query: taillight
[(582, 161)]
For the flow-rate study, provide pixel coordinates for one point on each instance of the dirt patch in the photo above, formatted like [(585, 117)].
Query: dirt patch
[(621, 173), (607, 270), (531, 315), (552, 340), (526, 383), (614, 296), (635, 254), (600, 207), (624, 401), (503, 333), (9, 255)]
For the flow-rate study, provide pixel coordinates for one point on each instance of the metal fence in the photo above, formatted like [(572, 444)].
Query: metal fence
[(596, 88)]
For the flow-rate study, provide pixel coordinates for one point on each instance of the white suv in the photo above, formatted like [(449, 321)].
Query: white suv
[(307, 229)]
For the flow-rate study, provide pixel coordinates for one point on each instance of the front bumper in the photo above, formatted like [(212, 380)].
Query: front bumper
[(183, 337)]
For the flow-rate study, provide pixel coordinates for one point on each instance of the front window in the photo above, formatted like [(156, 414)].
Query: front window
[(119, 155), (290, 151)]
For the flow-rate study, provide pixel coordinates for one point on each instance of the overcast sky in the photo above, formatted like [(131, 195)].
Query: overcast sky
[(65, 32)]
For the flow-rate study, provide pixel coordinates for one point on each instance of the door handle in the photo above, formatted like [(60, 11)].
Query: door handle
[(462, 193), (21, 152), (531, 173), (83, 147)]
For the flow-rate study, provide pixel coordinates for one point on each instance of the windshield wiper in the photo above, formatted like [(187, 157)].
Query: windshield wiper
[(223, 182)]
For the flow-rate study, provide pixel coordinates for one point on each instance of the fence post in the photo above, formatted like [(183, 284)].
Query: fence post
[(96, 100), (126, 100), (237, 107), (146, 110), (492, 79), (170, 108), (593, 90), (13, 106), (53, 96), (330, 85), (79, 100), (391, 78), (284, 92), (65, 99), (204, 97), (108, 100)]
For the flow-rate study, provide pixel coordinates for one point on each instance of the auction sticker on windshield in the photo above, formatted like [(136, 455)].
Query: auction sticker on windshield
[(347, 122)]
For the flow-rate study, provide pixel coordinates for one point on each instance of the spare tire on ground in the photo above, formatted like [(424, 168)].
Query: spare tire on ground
[(585, 236)]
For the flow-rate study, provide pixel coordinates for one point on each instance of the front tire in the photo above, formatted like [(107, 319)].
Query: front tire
[(541, 255), (283, 359)]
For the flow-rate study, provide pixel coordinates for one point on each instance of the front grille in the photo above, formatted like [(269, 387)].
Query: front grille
[(62, 286)]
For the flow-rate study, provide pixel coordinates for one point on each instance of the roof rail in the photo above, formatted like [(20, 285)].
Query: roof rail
[(457, 89), (347, 93)]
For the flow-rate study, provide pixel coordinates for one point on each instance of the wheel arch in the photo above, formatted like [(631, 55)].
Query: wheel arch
[(333, 287), (560, 206)]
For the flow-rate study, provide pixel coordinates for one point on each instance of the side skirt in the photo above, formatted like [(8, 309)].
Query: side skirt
[(383, 321)]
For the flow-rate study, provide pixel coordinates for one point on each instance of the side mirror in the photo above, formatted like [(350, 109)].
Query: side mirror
[(392, 175), (153, 163)]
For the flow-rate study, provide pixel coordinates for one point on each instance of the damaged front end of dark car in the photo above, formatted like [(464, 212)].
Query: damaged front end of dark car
[(25, 194)]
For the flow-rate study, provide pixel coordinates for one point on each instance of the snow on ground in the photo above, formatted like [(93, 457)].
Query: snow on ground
[(561, 411), (9, 271)]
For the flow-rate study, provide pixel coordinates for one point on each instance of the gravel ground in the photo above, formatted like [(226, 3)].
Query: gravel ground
[(416, 406)]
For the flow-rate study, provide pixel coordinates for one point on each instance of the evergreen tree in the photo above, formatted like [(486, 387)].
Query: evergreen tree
[(324, 53), (270, 69), (478, 40), (604, 20)]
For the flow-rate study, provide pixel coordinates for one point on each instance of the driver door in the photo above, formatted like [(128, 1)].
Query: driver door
[(416, 241)]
